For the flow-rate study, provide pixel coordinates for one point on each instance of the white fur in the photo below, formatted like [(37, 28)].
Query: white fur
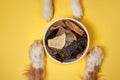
[(48, 10), (76, 9), (94, 59), (37, 55)]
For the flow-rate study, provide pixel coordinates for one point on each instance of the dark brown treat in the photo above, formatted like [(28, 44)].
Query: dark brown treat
[(71, 50), (78, 55), (51, 34), (74, 27), (54, 51), (83, 42), (58, 24), (58, 57), (78, 52)]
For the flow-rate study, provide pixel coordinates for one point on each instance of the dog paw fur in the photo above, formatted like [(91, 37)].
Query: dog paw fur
[(37, 55), (76, 9), (48, 10), (93, 63)]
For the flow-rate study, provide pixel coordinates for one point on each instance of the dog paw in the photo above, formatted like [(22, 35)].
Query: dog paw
[(93, 63), (95, 57), (37, 54), (76, 9), (48, 10)]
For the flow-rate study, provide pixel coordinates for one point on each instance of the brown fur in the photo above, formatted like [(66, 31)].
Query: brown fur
[(93, 75), (34, 74)]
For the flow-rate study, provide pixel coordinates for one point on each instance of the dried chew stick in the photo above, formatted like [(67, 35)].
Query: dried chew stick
[(74, 27), (57, 25), (36, 72), (93, 63)]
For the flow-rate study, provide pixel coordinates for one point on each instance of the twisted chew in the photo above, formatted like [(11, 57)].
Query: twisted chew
[(36, 72), (94, 59)]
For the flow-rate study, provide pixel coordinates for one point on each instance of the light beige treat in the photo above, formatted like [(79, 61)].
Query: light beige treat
[(93, 63), (70, 36), (57, 42)]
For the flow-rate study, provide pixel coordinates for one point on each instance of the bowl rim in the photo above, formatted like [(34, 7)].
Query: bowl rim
[(85, 51)]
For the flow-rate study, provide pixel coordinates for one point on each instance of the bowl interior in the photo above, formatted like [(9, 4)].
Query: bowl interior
[(49, 51)]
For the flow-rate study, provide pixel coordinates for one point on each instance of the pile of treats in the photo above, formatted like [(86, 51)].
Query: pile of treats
[(66, 40)]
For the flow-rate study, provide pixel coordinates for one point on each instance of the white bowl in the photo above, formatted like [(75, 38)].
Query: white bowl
[(84, 52)]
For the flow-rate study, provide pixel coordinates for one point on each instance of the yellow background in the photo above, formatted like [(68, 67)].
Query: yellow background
[(21, 22)]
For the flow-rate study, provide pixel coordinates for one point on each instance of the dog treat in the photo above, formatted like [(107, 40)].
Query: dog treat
[(74, 48), (70, 37), (93, 63), (74, 27), (51, 34), (54, 50), (36, 71), (57, 25), (61, 31), (66, 40), (57, 42), (58, 57)]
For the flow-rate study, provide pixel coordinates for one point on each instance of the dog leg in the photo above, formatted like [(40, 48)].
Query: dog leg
[(76, 9), (94, 59), (48, 10), (36, 72)]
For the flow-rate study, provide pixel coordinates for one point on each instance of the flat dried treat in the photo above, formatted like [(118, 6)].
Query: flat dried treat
[(51, 34), (74, 27), (61, 31), (57, 42), (70, 36), (94, 60), (71, 50), (54, 50), (57, 25)]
